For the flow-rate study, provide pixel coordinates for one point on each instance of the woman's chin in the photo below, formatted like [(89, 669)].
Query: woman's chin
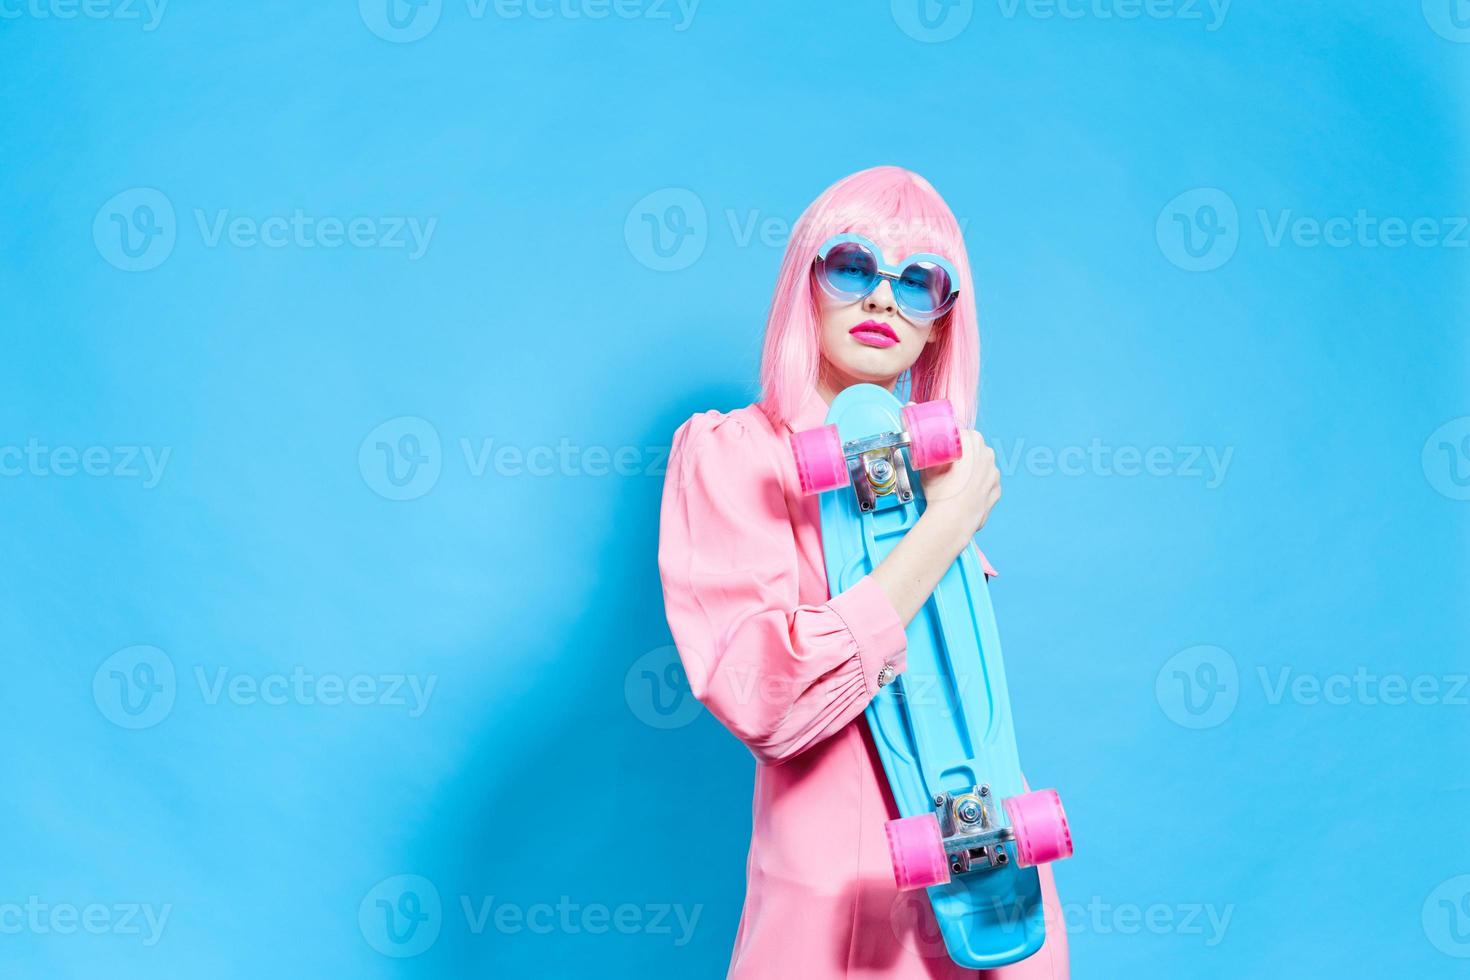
[(873, 365)]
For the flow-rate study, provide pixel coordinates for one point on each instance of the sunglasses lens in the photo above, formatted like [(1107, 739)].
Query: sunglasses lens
[(924, 289), (849, 270)]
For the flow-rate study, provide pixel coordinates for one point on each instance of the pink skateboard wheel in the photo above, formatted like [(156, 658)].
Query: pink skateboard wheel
[(917, 849), (1040, 825), (934, 435), (820, 465)]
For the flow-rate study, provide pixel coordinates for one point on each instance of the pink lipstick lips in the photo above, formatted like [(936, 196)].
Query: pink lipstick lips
[(874, 334)]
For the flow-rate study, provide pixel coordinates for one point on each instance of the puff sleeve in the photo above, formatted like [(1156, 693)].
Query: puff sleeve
[(779, 674)]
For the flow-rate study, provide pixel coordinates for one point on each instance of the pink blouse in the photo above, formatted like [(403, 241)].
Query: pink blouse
[(789, 671)]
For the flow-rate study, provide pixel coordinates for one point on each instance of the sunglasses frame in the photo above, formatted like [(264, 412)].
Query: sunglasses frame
[(892, 273)]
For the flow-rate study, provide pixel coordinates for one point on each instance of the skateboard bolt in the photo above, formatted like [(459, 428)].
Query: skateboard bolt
[(969, 811), (984, 790), (939, 799), (882, 470)]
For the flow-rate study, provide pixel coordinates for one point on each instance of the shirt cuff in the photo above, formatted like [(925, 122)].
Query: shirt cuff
[(874, 624)]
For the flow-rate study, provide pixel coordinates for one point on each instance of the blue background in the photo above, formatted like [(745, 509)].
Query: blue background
[(558, 761)]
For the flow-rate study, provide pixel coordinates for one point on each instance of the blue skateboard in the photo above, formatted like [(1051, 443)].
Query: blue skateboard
[(969, 830)]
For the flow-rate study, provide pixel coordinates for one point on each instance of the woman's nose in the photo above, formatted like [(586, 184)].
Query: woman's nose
[(880, 300)]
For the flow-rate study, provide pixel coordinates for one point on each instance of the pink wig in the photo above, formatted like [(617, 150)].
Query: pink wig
[(902, 213)]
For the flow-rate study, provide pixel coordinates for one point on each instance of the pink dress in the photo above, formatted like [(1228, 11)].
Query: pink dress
[(789, 672)]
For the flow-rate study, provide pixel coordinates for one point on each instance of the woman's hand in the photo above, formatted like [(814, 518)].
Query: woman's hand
[(961, 494)]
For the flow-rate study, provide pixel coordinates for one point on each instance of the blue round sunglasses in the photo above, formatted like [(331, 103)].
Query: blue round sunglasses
[(849, 267)]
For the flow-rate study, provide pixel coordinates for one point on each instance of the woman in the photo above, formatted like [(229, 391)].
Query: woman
[(786, 668)]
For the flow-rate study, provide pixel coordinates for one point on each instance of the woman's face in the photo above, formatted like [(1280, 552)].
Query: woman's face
[(869, 340)]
